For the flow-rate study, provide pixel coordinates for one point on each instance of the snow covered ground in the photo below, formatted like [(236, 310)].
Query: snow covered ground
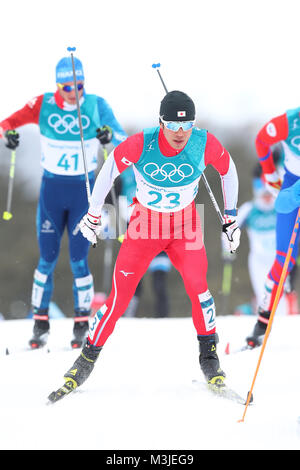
[(141, 396)]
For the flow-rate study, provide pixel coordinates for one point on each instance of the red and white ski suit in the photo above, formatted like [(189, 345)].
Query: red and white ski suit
[(177, 233)]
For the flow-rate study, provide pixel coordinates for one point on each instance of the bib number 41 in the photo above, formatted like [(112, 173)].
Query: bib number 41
[(68, 161)]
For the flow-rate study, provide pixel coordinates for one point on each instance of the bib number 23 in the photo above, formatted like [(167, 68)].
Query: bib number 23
[(167, 201)]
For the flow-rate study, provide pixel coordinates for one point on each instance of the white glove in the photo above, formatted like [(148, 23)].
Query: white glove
[(273, 183), (231, 233), (90, 227)]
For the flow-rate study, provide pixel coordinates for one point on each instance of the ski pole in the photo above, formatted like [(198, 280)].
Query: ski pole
[(227, 276), (108, 247), (226, 287), (211, 195), (156, 66), (7, 215), (87, 181), (213, 199), (113, 191), (114, 199), (276, 301)]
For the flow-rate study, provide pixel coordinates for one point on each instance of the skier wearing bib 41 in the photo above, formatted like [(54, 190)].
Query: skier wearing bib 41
[(168, 162), (63, 196)]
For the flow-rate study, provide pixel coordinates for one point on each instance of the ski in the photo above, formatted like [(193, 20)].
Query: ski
[(13, 350), (223, 391), (57, 395), (8, 351), (245, 347), (228, 393)]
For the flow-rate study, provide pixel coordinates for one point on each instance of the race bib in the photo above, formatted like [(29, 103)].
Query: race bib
[(165, 199), (65, 157)]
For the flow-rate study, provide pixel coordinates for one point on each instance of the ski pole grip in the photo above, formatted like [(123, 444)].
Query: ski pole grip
[(155, 66)]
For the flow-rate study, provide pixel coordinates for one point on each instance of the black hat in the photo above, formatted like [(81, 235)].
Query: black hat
[(177, 106)]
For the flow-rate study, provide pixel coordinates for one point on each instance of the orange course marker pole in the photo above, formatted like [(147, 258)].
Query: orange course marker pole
[(276, 301)]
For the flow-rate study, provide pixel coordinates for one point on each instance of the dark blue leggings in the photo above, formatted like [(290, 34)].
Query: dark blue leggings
[(62, 204)]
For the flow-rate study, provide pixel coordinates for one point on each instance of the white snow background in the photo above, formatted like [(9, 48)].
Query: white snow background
[(141, 393)]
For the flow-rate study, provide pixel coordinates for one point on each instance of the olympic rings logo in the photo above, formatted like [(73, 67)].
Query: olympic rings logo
[(67, 123), (168, 171)]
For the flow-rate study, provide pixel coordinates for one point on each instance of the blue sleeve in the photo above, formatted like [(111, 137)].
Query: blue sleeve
[(107, 118), (286, 201)]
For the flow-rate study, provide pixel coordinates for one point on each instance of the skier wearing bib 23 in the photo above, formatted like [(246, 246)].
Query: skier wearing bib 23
[(63, 197), (168, 162)]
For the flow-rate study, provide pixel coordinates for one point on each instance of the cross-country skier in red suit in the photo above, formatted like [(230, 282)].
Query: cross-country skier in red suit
[(285, 129), (168, 161)]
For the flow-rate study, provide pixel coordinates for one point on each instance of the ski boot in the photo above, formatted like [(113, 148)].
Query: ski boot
[(256, 338), (83, 366), (209, 361), (81, 328), (40, 332), (80, 332)]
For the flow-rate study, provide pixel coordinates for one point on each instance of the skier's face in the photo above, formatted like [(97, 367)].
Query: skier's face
[(178, 139), (70, 96)]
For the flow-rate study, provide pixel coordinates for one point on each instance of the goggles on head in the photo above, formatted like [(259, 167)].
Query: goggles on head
[(176, 125), (69, 88)]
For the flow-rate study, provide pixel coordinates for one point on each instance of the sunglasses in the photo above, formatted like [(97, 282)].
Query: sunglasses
[(69, 88), (176, 125)]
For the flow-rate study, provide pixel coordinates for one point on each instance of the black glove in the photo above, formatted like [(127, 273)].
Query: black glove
[(11, 139), (104, 134)]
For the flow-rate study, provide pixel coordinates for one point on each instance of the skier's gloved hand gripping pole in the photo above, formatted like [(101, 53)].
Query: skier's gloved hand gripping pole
[(228, 227), (90, 223)]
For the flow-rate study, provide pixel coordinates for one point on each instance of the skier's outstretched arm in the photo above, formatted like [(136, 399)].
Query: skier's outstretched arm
[(217, 156), (123, 156)]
